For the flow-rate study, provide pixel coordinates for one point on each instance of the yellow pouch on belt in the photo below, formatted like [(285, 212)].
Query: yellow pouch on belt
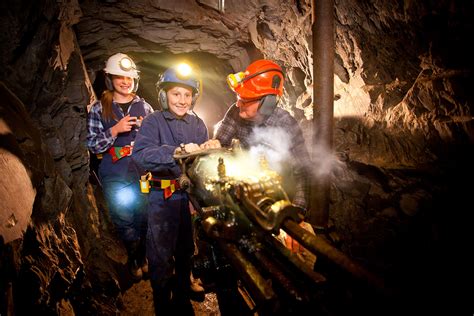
[(145, 183)]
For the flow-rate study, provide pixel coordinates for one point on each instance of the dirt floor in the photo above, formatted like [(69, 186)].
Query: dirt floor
[(138, 300)]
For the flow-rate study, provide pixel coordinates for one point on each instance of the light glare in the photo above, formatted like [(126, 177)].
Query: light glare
[(184, 69), (125, 196)]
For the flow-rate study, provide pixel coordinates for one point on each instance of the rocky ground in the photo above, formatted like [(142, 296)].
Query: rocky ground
[(138, 300)]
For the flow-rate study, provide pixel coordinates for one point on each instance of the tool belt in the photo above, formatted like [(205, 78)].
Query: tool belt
[(169, 186), (118, 153)]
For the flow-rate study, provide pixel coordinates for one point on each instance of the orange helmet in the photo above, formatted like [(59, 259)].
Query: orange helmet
[(261, 78)]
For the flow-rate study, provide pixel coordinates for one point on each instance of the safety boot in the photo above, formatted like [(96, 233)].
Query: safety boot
[(135, 270), (144, 266), (196, 285), (134, 266)]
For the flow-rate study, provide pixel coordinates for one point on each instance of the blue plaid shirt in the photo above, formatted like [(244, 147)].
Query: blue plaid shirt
[(100, 139), (232, 126)]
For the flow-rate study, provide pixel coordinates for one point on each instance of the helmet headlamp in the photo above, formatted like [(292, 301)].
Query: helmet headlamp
[(126, 64), (183, 71), (233, 80)]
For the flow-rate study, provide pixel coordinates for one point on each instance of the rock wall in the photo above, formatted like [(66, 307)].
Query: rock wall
[(57, 264)]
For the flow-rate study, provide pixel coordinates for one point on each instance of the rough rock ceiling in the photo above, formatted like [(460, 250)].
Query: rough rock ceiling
[(385, 54)]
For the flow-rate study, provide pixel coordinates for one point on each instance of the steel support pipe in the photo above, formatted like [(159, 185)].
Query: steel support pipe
[(323, 106)]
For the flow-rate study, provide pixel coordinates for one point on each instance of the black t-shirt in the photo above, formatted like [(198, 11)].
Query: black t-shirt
[(124, 107)]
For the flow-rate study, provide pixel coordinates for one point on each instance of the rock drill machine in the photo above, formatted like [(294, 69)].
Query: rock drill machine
[(240, 212)]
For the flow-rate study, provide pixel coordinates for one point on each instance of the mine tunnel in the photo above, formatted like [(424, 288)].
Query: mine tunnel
[(382, 91)]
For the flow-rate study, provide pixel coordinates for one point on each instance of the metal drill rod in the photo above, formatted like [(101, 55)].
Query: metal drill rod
[(258, 286), (320, 246)]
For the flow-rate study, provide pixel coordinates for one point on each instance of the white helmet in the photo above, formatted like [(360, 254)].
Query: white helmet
[(121, 65)]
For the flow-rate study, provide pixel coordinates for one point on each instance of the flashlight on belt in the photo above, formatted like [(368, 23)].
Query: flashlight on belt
[(145, 183)]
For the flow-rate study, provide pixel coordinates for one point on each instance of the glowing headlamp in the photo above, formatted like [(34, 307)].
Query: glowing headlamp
[(184, 70), (126, 64), (233, 80)]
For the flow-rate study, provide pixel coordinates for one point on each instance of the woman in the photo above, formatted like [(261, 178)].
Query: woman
[(112, 125)]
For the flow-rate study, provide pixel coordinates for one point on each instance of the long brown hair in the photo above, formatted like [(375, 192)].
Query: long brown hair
[(106, 101)]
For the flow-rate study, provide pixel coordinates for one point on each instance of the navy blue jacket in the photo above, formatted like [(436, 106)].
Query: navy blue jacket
[(159, 136)]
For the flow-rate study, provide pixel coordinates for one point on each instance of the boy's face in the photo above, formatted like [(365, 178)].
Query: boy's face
[(179, 100)]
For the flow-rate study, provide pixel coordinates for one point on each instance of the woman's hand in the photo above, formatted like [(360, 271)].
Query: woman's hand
[(126, 124)]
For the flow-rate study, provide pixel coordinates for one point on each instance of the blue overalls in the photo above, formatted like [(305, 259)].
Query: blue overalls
[(169, 238), (120, 184)]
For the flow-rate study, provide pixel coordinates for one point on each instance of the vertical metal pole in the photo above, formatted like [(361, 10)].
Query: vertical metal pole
[(323, 105)]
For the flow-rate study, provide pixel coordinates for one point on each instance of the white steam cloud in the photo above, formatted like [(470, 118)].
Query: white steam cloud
[(324, 162), (272, 142)]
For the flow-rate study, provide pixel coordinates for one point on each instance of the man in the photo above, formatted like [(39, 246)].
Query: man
[(258, 89)]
